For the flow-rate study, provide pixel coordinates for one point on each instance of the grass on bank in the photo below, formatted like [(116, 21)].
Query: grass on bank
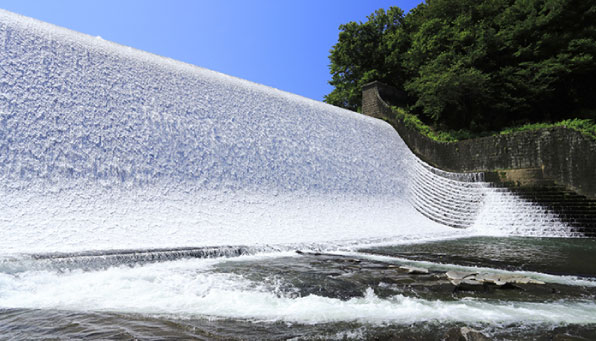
[(585, 126)]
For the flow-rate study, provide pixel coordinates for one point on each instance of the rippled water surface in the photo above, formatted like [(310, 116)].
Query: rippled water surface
[(336, 294), (552, 255)]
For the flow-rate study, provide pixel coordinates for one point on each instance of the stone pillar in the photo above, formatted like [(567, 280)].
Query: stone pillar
[(375, 94), (370, 102)]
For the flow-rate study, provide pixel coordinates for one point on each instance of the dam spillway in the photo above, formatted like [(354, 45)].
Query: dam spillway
[(107, 147), (103, 140), (138, 191)]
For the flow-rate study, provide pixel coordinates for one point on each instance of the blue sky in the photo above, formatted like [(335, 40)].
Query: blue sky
[(281, 43)]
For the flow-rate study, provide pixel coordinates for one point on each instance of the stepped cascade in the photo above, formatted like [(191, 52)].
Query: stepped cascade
[(465, 200), (106, 147), (514, 195)]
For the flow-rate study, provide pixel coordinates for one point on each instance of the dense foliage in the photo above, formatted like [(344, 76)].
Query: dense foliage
[(475, 64), (585, 126)]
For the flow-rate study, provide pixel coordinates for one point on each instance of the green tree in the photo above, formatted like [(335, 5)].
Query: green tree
[(475, 64), (359, 57), (448, 61), (548, 66)]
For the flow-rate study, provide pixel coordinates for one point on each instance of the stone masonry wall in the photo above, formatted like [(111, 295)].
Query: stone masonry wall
[(560, 154)]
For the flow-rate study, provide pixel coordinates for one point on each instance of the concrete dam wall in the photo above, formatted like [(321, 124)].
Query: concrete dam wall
[(553, 167)]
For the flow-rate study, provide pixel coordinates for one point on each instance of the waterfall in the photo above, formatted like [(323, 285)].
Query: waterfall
[(106, 147), (465, 200)]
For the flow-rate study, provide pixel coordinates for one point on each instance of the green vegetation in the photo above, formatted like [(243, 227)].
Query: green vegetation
[(470, 67), (360, 57), (584, 126), (413, 122)]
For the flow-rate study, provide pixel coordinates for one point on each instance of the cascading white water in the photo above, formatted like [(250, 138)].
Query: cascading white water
[(106, 147), (464, 200)]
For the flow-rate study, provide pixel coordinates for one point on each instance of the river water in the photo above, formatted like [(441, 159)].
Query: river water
[(341, 293), (141, 197)]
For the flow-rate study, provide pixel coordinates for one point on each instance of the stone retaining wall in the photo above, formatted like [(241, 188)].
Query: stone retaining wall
[(557, 154)]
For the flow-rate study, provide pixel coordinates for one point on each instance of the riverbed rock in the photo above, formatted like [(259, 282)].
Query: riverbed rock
[(500, 280), (413, 269), (465, 334), (504, 279), (459, 275), (467, 284)]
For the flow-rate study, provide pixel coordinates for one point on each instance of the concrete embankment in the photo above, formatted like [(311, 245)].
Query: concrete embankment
[(554, 167)]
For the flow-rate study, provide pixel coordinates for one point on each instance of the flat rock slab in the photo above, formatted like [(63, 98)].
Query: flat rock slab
[(413, 269), (466, 282), (459, 278), (491, 278), (459, 275), (502, 279)]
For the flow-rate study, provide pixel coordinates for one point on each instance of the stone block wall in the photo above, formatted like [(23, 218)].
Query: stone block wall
[(559, 154)]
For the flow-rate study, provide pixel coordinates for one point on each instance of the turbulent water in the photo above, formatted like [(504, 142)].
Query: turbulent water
[(144, 197)]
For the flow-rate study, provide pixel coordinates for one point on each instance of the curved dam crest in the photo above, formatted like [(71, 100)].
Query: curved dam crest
[(106, 147)]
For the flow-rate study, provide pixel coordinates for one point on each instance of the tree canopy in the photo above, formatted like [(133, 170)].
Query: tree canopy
[(475, 64)]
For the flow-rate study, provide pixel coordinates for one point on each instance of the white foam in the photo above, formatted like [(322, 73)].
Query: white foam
[(106, 147), (187, 288), (505, 214), (136, 221), (103, 146)]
